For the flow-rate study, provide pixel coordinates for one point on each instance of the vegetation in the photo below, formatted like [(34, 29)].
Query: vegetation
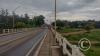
[(93, 33), (93, 51), (93, 36), (20, 25), (39, 20), (87, 25), (67, 30), (20, 21)]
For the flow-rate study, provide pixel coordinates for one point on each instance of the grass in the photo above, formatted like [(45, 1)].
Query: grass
[(66, 30), (92, 36), (93, 51)]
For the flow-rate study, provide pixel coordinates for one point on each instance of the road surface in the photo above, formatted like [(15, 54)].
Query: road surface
[(23, 48), (12, 36)]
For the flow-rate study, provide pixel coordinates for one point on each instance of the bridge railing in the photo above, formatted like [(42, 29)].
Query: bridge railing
[(4, 31), (67, 48)]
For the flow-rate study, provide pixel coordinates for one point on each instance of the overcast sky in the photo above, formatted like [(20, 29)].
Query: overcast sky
[(66, 9)]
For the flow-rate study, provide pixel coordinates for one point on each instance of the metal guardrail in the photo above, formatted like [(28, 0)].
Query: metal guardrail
[(67, 48)]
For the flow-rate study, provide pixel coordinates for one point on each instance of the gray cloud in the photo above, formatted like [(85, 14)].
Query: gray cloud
[(70, 5), (65, 8), (62, 5)]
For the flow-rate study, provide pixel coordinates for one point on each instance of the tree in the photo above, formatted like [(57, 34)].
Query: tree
[(20, 25), (59, 24), (6, 19), (39, 20), (26, 19), (90, 25)]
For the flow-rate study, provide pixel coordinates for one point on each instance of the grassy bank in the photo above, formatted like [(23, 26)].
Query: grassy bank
[(67, 30), (93, 36), (93, 51)]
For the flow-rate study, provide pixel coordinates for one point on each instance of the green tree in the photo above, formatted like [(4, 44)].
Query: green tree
[(59, 24), (39, 20), (89, 26), (26, 18), (20, 25)]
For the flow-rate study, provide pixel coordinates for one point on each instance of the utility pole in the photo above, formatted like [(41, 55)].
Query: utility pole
[(55, 16), (13, 21), (14, 16)]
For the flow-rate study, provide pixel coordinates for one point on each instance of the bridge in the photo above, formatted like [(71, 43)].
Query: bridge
[(36, 42)]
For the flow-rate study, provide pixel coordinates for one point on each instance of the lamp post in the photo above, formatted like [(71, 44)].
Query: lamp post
[(55, 16), (13, 21), (14, 16)]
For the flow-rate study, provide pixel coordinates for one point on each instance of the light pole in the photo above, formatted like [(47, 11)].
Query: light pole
[(13, 21), (14, 16), (55, 16)]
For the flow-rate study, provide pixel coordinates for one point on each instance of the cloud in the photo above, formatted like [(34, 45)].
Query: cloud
[(70, 5), (80, 9)]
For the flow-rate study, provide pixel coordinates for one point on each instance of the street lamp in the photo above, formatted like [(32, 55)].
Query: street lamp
[(14, 17), (55, 16)]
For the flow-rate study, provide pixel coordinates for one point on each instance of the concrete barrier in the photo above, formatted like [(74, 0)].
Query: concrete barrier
[(67, 48), (10, 31)]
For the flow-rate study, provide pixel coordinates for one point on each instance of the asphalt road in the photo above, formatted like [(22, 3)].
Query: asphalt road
[(12, 36), (23, 49)]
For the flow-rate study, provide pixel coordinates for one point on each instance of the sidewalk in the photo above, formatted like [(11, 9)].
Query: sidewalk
[(49, 46)]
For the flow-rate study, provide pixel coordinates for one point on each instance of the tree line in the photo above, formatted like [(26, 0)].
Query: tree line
[(89, 24), (20, 21)]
